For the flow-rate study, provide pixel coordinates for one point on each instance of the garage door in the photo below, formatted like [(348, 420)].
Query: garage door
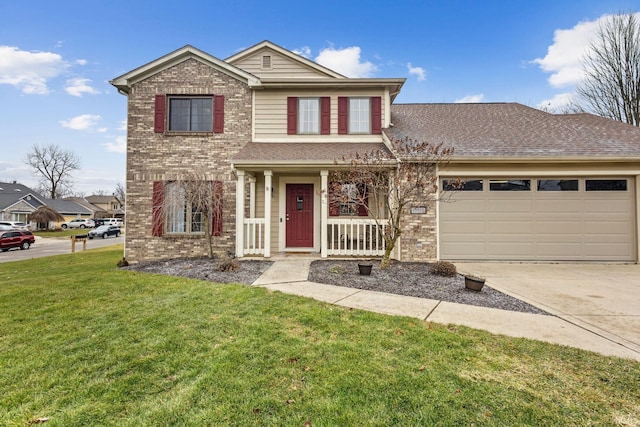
[(582, 219)]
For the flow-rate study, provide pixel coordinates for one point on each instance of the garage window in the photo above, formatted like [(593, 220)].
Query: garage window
[(510, 185), (606, 184), (461, 185), (557, 185)]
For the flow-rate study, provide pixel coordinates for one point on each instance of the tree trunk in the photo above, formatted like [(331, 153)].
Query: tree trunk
[(386, 258)]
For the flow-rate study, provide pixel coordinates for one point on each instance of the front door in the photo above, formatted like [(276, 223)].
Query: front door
[(299, 216)]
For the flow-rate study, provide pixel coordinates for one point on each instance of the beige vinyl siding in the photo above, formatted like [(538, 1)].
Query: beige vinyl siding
[(271, 115), (281, 66)]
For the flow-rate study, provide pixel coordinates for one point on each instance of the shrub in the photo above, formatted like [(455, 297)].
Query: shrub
[(443, 268), (228, 264)]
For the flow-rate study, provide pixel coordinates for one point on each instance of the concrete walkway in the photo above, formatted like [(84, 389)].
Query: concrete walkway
[(289, 275)]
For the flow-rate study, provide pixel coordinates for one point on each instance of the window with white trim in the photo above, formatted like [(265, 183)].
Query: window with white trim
[(359, 115), (309, 115), (181, 217)]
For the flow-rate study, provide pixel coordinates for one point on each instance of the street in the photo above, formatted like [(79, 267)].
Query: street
[(56, 246)]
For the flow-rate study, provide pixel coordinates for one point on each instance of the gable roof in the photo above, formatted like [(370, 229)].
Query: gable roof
[(493, 131), (68, 207), (12, 193), (102, 199), (266, 44), (125, 81)]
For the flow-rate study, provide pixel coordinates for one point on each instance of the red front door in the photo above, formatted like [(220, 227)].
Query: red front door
[(299, 217)]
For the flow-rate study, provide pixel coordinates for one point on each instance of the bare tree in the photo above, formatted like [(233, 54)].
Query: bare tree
[(386, 185), (120, 193), (611, 85), (193, 203), (53, 167)]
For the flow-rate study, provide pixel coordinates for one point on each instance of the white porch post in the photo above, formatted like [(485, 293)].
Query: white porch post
[(240, 213), (267, 212), (252, 196), (324, 211)]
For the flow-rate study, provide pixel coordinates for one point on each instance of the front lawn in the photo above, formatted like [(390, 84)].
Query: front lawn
[(82, 343)]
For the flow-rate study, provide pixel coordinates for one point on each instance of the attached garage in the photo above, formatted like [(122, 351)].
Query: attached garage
[(577, 218)]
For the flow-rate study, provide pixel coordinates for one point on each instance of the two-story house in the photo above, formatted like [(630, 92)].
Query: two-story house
[(265, 127)]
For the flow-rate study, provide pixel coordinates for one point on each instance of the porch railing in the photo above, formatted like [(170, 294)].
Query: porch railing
[(254, 238), (355, 237)]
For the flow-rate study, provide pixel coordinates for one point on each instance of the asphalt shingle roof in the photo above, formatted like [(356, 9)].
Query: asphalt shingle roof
[(301, 152), (511, 130)]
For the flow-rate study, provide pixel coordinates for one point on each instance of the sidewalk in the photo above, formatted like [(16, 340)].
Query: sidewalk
[(289, 275)]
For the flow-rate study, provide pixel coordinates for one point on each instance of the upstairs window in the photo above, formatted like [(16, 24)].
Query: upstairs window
[(308, 115), (189, 113), (359, 115)]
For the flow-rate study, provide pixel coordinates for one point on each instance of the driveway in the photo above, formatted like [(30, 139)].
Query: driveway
[(602, 298)]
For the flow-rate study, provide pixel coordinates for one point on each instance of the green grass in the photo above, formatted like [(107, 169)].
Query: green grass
[(82, 343)]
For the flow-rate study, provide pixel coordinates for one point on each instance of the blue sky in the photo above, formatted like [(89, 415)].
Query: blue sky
[(57, 58)]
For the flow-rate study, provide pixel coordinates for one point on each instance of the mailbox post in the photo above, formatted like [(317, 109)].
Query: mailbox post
[(79, 238)]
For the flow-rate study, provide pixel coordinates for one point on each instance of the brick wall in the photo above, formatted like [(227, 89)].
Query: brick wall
[(419, 237), (162, 157)]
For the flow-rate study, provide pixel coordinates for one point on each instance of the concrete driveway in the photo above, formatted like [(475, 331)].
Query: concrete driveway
[(601, 298)]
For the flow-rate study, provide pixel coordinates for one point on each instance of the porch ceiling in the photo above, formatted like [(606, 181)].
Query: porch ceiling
[(306, 154)]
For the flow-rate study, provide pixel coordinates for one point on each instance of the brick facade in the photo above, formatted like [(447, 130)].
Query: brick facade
[(163, 156)]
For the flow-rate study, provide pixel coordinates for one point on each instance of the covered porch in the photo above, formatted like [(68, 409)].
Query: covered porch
[(284, 210)]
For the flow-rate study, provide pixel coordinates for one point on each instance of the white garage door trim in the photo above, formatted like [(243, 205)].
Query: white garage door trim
[(537, 225)]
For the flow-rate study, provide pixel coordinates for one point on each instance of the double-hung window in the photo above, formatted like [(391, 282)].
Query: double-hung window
[(359, 115), (180, 208), (308, 115), (181, 216)]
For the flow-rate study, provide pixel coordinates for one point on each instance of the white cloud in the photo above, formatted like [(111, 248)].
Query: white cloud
[(563, 58), (557, 103), (82, 122), (79, 86), (346, 61), (119, 145), (123, 125), (470, 99), (81, 62), (29, 71), (417, 71), (303, 51)]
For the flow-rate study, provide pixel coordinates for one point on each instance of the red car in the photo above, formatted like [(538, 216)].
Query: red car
[(22, 239)]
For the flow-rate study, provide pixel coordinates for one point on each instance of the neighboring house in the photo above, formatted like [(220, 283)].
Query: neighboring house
[(111, 205), (267, 125), (17, 201), (69, 210), (96, 211)]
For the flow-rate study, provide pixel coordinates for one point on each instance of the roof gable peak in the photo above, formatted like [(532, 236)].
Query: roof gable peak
[(266, 44), (125, 81)]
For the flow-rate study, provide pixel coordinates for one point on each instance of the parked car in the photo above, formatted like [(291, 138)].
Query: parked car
[(4, 227), (112, 221), (16, 224), (22, 239), (79, 223), (98, 221), (105, 231)]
